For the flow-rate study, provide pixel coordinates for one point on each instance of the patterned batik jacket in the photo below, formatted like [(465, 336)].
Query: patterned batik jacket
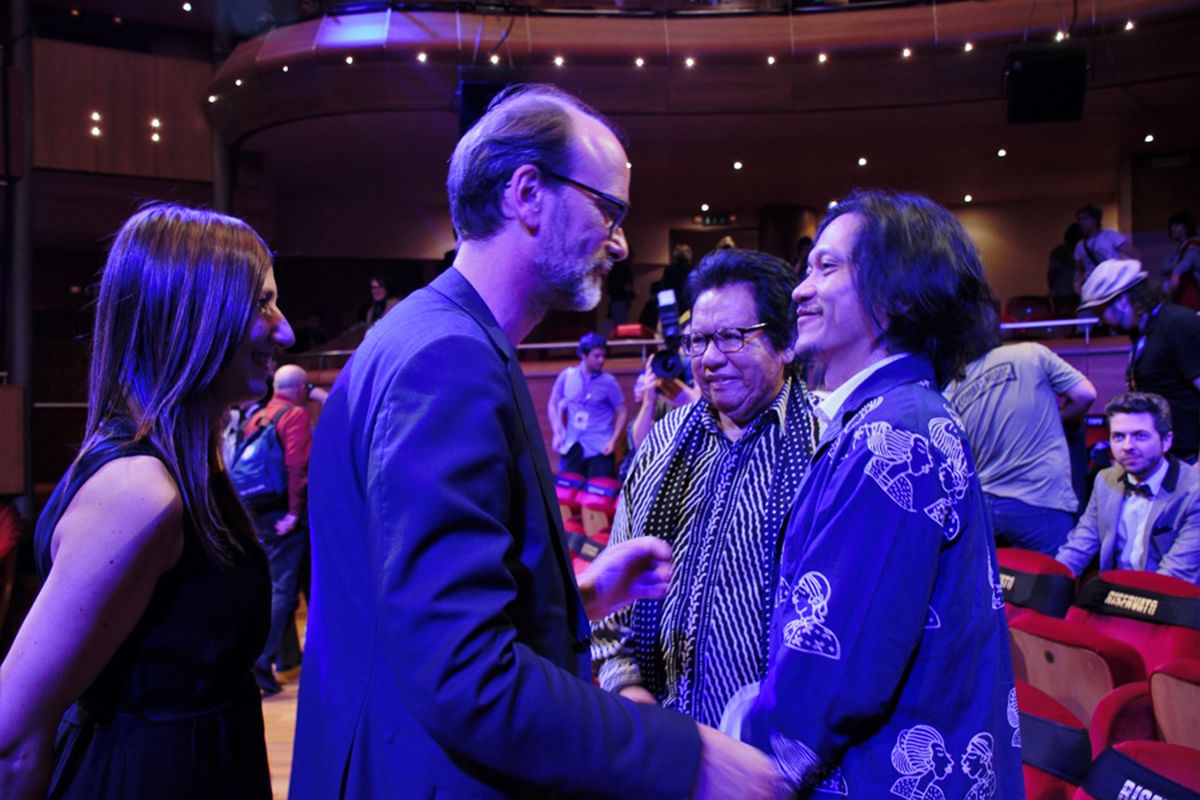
[(889, 671)]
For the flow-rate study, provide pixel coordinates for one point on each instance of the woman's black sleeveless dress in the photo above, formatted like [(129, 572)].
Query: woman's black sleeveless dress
[(176, 712)]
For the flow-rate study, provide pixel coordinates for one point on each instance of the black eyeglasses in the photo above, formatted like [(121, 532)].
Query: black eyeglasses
[(614, 209), (727, 340)]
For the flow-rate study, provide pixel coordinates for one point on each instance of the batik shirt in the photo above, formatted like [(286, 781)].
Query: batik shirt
[(721, 505), (889, 669)]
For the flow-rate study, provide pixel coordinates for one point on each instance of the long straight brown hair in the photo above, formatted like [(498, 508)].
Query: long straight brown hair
[(176, 296)]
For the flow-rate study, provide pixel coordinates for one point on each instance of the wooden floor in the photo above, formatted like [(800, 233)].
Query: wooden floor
[(279, 715)]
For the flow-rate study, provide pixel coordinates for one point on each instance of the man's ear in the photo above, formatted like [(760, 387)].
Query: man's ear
[(1166, 440), (525, 197)]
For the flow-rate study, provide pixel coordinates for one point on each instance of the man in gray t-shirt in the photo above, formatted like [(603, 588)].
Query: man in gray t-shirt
[(1009, 404)]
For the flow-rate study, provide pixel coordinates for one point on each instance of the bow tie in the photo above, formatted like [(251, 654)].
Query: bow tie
[(1142, 489)]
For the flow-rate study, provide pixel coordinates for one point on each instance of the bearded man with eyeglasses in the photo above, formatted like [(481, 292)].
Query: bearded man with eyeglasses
[(714, 478)]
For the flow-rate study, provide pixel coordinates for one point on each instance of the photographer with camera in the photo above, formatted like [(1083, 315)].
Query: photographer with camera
[(666, 382)]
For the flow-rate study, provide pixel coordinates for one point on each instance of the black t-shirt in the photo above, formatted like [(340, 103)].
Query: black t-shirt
[(1168, 364)]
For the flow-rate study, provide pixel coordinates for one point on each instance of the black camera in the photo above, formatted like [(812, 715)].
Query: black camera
[(666, 363)]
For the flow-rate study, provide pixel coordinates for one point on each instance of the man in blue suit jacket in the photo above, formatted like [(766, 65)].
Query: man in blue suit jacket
[(447, 641), (1145, 510)]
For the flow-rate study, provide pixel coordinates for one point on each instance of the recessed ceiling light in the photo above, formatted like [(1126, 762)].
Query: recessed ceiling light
[(906, 52), (862, 161), (704, 206), (238, 82), (737, 165), (422, 57), (495, 59), (822, 58), (689, 62), (96, 131), (967, 198), (1129, 25), (349, 59), (285, 67), (831, 205), (1148, 138), (639, 62), (1001, 153), (968, 47), (154, 137), (770, 61), (187, 7), (212, 98), (1060, 36), (559, 61), (155, 122), (95, 116)]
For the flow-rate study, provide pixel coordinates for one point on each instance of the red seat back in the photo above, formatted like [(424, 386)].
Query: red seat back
[(1122, 605), (1136, 770), (1034, 580), (1054, 745)]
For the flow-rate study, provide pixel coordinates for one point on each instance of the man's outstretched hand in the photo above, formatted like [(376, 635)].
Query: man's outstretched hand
[(633, 570)]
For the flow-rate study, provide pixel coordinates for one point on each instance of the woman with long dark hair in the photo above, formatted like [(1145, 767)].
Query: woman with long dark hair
[(131, 675)]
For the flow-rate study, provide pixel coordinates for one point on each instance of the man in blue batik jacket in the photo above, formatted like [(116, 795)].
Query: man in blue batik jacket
[(889, 672)]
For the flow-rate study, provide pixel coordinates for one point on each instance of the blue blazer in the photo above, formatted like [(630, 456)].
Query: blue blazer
[(447, 644)]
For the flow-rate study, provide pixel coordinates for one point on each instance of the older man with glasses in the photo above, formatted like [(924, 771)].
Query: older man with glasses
[(714, 479)]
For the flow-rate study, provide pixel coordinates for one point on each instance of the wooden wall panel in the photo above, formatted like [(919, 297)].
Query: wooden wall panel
[(12, 441), (128, 89)]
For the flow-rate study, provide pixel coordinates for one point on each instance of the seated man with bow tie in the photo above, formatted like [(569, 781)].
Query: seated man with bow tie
[(1145, 511)]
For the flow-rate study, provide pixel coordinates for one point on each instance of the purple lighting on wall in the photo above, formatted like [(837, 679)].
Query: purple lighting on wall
[(349, 30)]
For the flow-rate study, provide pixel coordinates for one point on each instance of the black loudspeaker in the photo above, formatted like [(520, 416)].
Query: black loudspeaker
[(1045, 82), (474, 97)]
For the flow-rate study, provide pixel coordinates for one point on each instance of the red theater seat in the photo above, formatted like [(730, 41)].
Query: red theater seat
[(598, 504), (1156, 614), (1071, 663), (1034, 580), (1124, 714), (567, 486), (1143, 771), (1054, 746)]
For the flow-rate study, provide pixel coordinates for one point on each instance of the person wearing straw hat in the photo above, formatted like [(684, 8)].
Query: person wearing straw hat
[(1164, 356)]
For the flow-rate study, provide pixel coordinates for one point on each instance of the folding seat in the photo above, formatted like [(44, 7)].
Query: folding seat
[(1175, 696), (1055, 750), (567, 486), (1143, 771), (1034, 580), (1158, 615), (598, 503), (1071, 663)]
